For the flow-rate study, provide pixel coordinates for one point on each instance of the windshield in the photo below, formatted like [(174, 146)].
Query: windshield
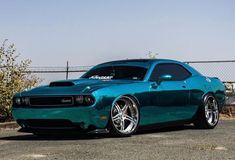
[(116, 72)]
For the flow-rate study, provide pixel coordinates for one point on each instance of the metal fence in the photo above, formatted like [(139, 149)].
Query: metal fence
[(221, 69), (48, 74)]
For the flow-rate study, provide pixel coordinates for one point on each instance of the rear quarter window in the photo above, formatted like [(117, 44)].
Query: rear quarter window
[(177, 71)]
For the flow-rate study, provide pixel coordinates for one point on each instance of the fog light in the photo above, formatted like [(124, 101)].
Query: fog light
[(18, 101), (79, 99)]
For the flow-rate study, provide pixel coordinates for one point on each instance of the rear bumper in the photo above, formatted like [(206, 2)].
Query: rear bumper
[(61, 118)]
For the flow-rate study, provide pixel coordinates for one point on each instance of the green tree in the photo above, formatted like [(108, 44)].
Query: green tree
[(14, 77)]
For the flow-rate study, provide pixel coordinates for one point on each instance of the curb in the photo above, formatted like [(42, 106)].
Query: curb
[(9, 125)]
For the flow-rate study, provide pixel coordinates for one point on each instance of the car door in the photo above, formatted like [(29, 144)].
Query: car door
[(169, 98)]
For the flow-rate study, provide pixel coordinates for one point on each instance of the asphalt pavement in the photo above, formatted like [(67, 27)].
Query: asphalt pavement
[(177, 143)]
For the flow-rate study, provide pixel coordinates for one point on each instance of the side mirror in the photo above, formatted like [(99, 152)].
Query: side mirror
[(165, 77)]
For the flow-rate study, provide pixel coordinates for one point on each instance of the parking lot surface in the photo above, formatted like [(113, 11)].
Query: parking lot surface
[(171, 143)]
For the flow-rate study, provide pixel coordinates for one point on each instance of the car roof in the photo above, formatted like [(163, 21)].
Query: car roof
[(142, 62), (147, 63)]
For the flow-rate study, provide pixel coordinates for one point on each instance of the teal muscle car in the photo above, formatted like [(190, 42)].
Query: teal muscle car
[(122, 97)]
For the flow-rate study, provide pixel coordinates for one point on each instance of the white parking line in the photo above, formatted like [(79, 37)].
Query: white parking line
[(221, 148), (35, 155)]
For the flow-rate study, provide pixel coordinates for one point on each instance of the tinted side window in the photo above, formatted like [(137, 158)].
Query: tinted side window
[(177, 72)]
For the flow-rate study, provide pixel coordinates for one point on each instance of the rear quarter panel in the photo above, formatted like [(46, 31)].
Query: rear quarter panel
[(219, 91), (201, 85)]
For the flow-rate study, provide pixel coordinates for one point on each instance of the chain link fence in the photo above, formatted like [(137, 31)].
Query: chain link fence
[(223, 70), (48, 74)]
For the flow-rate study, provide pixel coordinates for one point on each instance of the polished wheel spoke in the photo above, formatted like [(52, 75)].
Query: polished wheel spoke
[(215, 114), (207, 115), (210, 104), (128, 118), (215, 107), (117, 117), (118, 108), (117, 125), (125, 107), (209, 110), (122, 125)]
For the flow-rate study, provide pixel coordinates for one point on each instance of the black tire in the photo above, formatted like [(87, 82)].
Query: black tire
[(206, 119), (133, 110), (41, 135)]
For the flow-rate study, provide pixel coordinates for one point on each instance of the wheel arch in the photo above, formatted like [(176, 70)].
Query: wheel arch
[(216, 98), (134, 98), (201, 103), (199, 118), (127, 95)]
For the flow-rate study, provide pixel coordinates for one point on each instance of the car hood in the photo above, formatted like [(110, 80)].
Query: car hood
[(73, 87)]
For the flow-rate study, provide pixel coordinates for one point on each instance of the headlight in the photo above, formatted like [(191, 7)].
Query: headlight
[(21, 101), (79, 99), (84, 100), (89, 100), (25, 100), (18, 101)]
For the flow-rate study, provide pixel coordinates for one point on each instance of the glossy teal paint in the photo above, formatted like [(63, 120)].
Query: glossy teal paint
[(87, 115), (167, 101)]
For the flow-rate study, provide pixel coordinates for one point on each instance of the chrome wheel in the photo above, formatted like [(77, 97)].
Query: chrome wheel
[(125, 115), (211, 111)]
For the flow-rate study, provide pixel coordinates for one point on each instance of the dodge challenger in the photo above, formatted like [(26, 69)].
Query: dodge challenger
[(121, 97)]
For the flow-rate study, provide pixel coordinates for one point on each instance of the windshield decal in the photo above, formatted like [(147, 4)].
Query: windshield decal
[(101, 77)]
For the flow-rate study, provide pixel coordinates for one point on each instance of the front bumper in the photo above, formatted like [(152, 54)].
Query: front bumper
[(75, 117)]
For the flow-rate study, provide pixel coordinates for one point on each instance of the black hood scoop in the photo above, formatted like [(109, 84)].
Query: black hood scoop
[(61, 84)]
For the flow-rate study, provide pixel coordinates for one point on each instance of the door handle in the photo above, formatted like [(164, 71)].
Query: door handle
[(183, 86)]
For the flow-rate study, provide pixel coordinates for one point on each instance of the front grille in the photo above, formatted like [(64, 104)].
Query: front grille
[(51, 101)]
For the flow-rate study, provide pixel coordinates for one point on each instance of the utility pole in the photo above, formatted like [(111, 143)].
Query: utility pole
[(67, 70)]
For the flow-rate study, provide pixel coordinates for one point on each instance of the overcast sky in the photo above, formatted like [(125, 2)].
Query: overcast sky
[(87, 32)]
